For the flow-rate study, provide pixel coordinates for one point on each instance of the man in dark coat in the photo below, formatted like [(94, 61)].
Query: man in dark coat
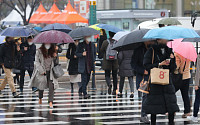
[(109, 66), (8, 53), (161, 98), (86, 53), (138, 67), (28, 50)]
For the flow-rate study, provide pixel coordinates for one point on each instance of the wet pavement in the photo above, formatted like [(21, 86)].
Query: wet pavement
[(70, 109)]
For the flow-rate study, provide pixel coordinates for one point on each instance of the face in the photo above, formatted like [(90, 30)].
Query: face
[(76, 42), (162, 41), (88, 39), (47, 45), (30, 40)]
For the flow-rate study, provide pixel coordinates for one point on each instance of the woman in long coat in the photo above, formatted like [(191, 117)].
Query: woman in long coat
[(125, 70), (73, 65), (161, 98), (43, 77)]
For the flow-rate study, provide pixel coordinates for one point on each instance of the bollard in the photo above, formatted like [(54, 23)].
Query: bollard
[(93, 81)]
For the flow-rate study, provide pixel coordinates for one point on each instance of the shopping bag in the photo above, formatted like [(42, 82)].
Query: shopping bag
[(160, 76)]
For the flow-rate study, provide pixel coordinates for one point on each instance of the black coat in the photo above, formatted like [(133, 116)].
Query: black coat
[(9, 55), (73, 63), (28, 57), (100, 42), (124, 60), (161, 99), (82, 59)]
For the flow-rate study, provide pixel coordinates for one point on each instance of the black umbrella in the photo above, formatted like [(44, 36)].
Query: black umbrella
[(131, 41), (192, 39), (82, 32)]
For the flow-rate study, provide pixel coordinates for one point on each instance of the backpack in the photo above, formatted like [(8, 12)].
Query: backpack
[(111, 54)]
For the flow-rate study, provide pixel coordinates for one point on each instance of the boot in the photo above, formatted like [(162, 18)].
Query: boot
[(40, 101), (72, 87), (15, 94)]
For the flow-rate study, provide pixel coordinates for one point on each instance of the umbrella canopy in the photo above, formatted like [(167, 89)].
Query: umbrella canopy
[(57, 26), (69, 15), (38, 28), (53, 36), (82, 32), (169, 21), (192, 39), (39, 13), (120, 34), (171, 32), (131, 40), (95, 27), (53, 13), (2, 39), (109, 28), (185, 49), (20, 31)]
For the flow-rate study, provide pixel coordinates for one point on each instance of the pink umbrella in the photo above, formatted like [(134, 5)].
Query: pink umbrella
[(185, 49), (53, 36)]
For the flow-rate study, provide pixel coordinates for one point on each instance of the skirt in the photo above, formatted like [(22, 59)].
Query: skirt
[(75, 78)]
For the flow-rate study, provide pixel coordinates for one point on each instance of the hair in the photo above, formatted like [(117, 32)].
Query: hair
[(111, 34), (104, 32), (48, 53), (161, 25)]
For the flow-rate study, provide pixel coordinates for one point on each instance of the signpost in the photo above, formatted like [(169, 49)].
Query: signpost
[(93, 9)]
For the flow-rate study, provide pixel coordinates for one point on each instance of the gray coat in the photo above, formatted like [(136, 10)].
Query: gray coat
[(124, 60), (38, 80), (197, 76)]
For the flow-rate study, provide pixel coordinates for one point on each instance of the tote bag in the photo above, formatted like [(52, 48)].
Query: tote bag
[(159, 76)]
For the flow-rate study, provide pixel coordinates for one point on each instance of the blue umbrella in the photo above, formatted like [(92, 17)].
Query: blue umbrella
[(38, 28), (109, 28), (171, 32), (57, 26), (20, 31)]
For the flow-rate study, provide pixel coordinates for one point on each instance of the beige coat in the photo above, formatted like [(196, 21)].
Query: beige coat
[(180, 62), (38, 80), (197, 75)]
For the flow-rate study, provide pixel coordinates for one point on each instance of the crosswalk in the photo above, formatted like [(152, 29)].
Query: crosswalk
[(70, 109)]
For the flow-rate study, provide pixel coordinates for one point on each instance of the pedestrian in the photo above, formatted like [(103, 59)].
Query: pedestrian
[(86, 53), (161, 98), (75, 77), (8, 53), (183, 67), (101, 39), (110, 63), (125, 70), (28, 50), (194, 117), (141, 73), (43, 77)]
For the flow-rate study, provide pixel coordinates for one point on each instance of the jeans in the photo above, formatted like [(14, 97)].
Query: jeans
[(108, 79), (23, 75), (8, 79), (121, 84), (51, 89), (85, 78), (196, 103), (185, 95)]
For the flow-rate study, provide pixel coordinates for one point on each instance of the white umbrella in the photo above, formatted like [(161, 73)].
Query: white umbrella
[(120, 34)]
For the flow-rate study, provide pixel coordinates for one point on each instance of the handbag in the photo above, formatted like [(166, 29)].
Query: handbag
[(144, 86), (159, 76), (177, 79), (58, 71)]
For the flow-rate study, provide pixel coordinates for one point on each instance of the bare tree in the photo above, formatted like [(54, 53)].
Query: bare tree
[(22, 5)]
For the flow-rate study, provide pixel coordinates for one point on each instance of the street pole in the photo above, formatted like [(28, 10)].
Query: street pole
[(92, 21)]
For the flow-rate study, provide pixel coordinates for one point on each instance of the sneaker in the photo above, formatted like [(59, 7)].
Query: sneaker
[(192, 118), (1, 95), (132, 95), (186, 115), (80, 94), (86, 96), (15, 94), (109, 89), (145, 120)]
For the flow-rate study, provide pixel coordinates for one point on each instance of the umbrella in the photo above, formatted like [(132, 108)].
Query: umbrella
[(185, 49), (82, 32), (53, 36), (95, 27), (2, 39), (192, 39), (120, 34), (57, 26), (131, 40), (20, 31), (169, 21), (38, 28), (109, 28), (171, 32)]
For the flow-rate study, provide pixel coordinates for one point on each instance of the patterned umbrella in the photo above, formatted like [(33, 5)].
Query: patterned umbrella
[(57, 26), (53, 36)]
